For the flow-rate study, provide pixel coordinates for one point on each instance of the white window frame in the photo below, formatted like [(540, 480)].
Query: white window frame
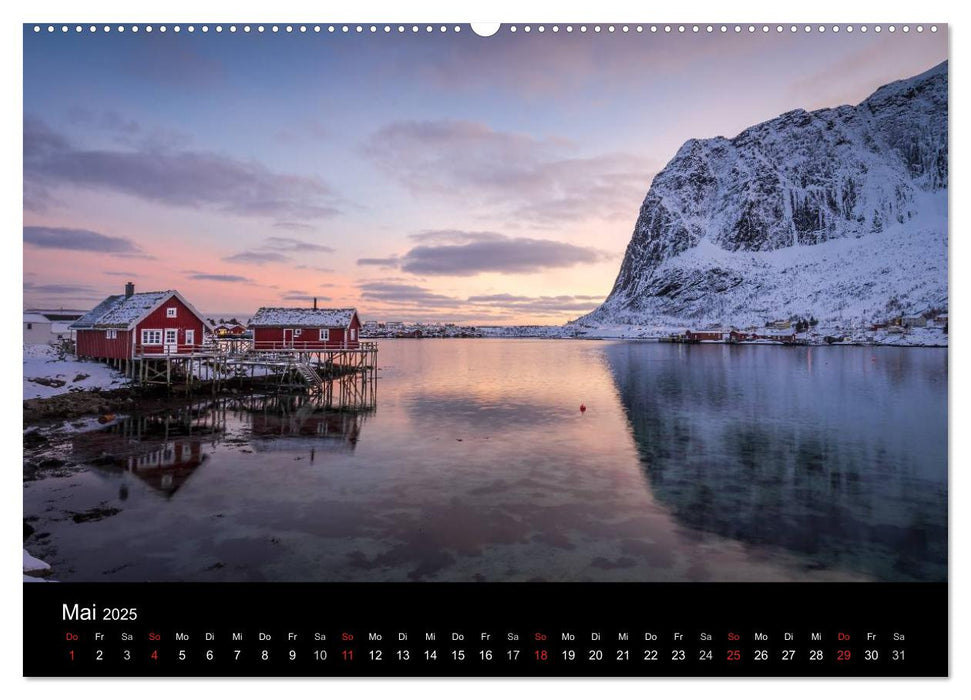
[(190, 336), (353, 334), (172, 312), (165, 340), (325, 334), (111, 334), (146, 338)]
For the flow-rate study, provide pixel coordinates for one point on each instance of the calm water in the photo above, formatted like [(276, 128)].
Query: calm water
[(691, 463)]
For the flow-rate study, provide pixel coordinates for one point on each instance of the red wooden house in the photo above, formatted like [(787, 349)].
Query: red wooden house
[(128, 325), (230, 330), (742, 336), (705, 336), (305, 329)]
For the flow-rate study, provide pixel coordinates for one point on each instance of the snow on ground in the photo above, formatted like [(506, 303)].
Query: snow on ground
[(910, 337), (49, 372), (850, 281), (34, 566), (930, 336), (59, 373), (847, 283)]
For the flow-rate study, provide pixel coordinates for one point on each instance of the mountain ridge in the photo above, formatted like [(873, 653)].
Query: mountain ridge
[(735, 229)]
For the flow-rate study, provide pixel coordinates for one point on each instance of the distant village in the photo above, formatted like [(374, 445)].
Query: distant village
[(138, 321), (232, 327), (806, 331)]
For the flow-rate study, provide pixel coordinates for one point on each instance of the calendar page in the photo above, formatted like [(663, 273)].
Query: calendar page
[(545, 349)]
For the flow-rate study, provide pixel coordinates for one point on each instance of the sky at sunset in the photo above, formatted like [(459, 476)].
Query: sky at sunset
[(436, 177)]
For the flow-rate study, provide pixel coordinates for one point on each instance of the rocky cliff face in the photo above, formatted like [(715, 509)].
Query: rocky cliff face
[(839, 213)]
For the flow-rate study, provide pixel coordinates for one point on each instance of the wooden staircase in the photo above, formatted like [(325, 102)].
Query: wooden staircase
[(310, 376)]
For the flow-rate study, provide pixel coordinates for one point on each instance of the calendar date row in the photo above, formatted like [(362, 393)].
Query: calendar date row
[(486, 655)]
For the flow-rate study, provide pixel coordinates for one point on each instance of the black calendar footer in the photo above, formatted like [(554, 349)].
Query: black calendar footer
[(485, 629)]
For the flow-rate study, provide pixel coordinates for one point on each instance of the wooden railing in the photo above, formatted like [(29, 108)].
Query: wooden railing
[(181, 349), (237, 346), (308, 345)]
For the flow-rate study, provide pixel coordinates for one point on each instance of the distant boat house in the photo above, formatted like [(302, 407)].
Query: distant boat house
[(282, 328), (129, 325)]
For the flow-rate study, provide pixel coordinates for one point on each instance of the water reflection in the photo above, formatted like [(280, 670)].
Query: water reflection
[(163, 450), (837, 454), (294, 422), (691, 463)]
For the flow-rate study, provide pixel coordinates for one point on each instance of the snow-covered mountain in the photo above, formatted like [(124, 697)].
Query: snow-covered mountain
[(840, 214)]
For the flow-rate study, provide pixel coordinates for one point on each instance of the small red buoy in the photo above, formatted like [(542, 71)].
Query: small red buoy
[(583, 408)]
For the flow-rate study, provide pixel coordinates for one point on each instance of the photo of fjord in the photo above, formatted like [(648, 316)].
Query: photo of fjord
[(558, 306)]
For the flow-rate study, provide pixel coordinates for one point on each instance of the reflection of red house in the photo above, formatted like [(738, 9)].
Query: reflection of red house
[(305, 329), (337, 430), (168, 467), (138, 446), (126, 325)]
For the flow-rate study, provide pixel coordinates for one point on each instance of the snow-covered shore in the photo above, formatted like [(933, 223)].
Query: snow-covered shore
[(930, 336), (821, 334), (34, 568), (910, 337), (49, 372)]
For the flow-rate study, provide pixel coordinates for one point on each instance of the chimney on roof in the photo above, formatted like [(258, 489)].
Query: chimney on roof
[(129, 289), (315, 303)]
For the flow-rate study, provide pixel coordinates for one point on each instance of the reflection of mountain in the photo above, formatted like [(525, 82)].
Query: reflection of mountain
[(291, 423), (838, 455)]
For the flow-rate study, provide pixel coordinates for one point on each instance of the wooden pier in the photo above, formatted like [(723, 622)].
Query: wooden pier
[(333, 373)]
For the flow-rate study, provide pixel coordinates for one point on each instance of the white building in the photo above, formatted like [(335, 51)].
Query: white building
[(49, 326), (37, 329)]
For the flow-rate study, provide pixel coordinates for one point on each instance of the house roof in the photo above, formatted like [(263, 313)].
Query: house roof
[(270, 317), (119, 311), (35, 318), (58, 314)]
